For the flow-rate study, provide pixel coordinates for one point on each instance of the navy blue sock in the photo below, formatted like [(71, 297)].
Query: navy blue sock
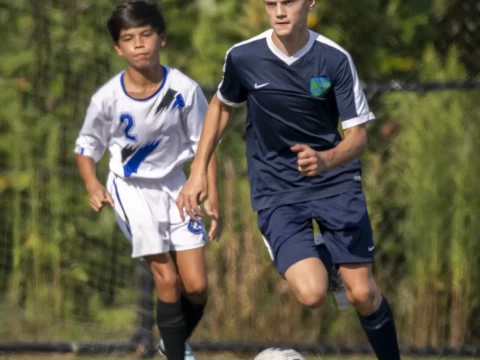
[(380, 330), (193, 314), (172, 328)]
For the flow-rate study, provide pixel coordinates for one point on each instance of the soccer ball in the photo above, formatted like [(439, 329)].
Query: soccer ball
[(279, 354)]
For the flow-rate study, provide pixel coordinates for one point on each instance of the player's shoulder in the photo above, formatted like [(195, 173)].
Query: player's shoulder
[(108, 92), (183, 84), (329, 48), (251, 47), (179, 81)]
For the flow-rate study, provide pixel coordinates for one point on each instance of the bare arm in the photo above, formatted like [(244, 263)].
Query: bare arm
[(203, 174), (350, 148), (87, 169), (311, 162), (212, 176), (212, 204), (98, 195), (216, 120)]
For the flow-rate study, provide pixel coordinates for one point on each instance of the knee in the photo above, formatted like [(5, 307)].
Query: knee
[(362, 296), (312, 297), (196, 291), (165, 278)]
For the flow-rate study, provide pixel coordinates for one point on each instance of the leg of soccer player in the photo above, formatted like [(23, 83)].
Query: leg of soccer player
[(347, 232), (373, 309), (308, 280), (192, 271), (288, 233), (170, 318)]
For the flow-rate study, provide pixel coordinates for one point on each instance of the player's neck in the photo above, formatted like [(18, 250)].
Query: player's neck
[(145, 78), (290, 45)]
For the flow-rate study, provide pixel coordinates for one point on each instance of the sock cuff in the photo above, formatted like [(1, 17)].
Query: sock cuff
[(170, 314), (195, 306), (379, 317)]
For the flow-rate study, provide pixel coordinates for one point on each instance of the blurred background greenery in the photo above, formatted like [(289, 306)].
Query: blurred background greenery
[(66, 272)]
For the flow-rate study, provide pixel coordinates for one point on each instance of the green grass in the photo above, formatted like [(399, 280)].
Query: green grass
[(200, 357)]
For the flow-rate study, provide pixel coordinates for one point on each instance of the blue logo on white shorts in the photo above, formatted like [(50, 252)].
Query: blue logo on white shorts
[(196, 227)]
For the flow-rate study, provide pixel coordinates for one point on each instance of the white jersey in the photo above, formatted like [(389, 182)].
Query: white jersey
[(147, 138)]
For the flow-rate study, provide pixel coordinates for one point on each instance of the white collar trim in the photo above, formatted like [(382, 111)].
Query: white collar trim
[(289, 60)]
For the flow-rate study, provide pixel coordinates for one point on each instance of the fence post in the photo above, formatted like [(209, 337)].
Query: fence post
[(143, 337)]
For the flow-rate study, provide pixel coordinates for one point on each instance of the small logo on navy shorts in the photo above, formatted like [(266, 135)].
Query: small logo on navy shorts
[(196, 227)]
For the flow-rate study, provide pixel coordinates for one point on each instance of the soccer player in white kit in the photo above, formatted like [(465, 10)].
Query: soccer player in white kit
[(150, 119)]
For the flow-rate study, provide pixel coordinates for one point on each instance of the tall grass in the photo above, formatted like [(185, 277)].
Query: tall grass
[(434, 167)]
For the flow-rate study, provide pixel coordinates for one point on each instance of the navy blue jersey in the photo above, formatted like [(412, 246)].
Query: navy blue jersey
[(297, 99)]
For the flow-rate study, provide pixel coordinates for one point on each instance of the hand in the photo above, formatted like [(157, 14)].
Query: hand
[(98, 196), (310, 162), (191, 196), (212, 206)]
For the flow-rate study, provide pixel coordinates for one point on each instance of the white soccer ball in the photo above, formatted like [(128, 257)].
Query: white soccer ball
[(279, 354)]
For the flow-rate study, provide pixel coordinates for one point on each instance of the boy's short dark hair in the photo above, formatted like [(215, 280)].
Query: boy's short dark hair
[(133, 14)]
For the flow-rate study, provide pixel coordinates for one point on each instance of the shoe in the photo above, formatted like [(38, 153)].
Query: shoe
[(188, 351)]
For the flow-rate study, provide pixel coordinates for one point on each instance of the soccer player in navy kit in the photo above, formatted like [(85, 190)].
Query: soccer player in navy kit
[(297, 84)]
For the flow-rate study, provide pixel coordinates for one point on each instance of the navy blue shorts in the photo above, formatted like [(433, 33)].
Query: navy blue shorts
[(344, 223)]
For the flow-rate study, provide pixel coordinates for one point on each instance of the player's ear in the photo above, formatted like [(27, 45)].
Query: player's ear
[(162, 38), (118, 49)]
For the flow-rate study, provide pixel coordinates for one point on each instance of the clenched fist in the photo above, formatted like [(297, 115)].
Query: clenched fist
[(310, 162)]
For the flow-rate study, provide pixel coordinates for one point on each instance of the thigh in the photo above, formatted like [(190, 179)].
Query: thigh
[(133, 210), (308, 277), (357, 276), (188, 234), (288, 235), (165, 277), (185, 235), (192, 270), (346, 227)]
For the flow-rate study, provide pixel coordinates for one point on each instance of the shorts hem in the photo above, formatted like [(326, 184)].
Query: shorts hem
[(353, 261), (284, 269), (148, 253), (185, 248)]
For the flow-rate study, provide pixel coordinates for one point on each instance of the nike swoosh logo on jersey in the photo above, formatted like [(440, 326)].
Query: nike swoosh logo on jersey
[(260, 86)]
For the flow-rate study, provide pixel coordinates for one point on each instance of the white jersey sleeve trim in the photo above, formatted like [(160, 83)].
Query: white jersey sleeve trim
[(228, 102), (361, 104), (359, 120), (94, 154), (92, 140)]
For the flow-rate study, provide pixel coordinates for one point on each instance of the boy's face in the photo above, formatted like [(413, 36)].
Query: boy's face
[(140, 46), (287, 16)]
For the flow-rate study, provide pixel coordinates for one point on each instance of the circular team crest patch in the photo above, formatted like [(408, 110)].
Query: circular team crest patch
[(319, 85)]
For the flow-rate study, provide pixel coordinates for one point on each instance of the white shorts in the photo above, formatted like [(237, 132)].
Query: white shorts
[(148, 216)]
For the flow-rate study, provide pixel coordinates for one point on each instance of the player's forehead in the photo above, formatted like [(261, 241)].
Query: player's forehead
[(136, 30), (283, 2)]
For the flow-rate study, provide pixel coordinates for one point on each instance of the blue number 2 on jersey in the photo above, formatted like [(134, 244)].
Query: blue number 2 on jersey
[(129, 125)]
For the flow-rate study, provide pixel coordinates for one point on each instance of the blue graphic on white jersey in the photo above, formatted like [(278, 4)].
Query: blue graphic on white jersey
[(129, 121), (132, 165), (196, 227), (179, 102)]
